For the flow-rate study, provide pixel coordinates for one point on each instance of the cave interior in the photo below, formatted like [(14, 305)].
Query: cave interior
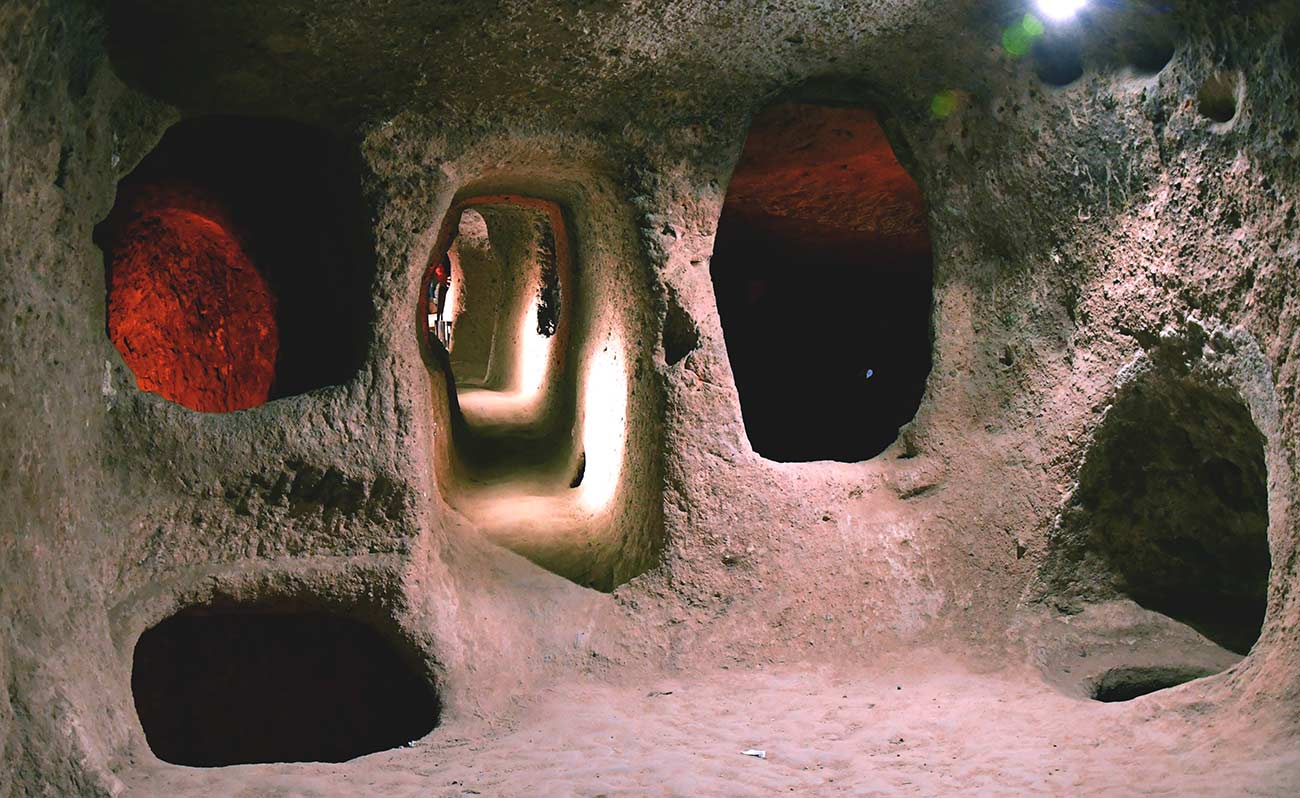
[(650, 398)]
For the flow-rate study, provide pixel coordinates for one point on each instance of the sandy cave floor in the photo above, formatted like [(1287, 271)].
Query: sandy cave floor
[(928, 726)]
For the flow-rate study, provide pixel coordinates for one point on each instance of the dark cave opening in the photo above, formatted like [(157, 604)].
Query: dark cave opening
[(215, 688), (238, 263), (1216, 99), (822, 269), (1172, 508)]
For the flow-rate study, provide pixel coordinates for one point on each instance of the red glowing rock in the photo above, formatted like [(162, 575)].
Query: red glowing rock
[(188, 310), (825, 179)]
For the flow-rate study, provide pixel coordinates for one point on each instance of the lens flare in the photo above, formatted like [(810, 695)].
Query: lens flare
[(1060, 10)]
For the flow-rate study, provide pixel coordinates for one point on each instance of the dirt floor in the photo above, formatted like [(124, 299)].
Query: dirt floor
[(924, 725)]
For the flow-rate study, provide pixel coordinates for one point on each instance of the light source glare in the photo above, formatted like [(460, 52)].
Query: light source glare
[(1060, 10), (604, 426)]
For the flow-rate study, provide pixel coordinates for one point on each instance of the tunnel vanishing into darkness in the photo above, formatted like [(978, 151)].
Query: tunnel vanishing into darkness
[(228, 687), (1172, 509), (822, 270), (237, 264), (523, 464), (505, 336)]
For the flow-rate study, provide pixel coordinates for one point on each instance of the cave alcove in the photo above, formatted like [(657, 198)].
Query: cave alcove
[(822, 268), (1171, 509), (237, 263), (241, 685)]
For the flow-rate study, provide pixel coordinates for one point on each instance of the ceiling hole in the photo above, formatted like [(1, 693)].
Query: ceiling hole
[(1149, 53), (1057, 62), (1217, 98)]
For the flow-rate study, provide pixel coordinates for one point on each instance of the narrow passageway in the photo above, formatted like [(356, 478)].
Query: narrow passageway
[(538, 413), (508, 349), (507, 352)]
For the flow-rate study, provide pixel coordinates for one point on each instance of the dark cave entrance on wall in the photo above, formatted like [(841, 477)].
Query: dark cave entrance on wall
[(227, 687), (823, 274), (238, 263), (1172, 510)]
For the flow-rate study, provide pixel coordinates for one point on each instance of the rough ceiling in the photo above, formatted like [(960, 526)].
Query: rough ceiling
[(602, 61)]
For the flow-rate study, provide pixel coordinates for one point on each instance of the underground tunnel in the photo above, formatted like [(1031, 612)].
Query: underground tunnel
[(492, 305), (649, 398), (537, 416)]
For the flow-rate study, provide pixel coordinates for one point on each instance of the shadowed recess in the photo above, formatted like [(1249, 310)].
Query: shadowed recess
[(237, 264), (1172, 509), (1216, 100), (1126, 684), (681, 336), (226, 688), (822, 270)]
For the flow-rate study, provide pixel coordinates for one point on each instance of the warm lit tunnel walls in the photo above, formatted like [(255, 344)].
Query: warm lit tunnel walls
[(552, 448), (822, 271), (237, 268), (219, 687), (493, 300), (1172, 510)]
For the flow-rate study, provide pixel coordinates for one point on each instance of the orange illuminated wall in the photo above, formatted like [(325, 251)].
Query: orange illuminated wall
[(190, 313)]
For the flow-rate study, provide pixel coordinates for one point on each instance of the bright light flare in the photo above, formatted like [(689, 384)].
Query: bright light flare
[(534, 354), (1060, 10), (604, 427)]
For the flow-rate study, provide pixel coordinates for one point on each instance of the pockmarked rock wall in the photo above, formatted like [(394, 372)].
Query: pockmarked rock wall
[(1078, 230)]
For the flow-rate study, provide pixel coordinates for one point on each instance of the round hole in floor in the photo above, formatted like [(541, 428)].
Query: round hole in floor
[(1126, 684)]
